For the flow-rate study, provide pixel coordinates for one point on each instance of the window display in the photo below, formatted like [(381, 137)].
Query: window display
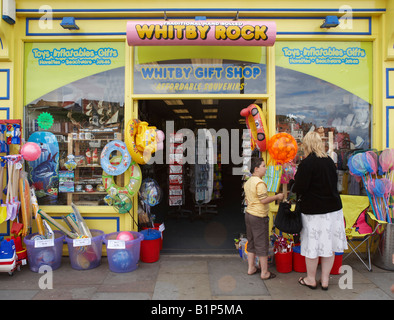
[(326, 87), (83, 109)]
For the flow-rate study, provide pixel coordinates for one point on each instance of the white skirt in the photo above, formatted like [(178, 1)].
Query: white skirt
[(323, 234)]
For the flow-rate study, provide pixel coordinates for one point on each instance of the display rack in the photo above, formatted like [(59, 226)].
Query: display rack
[(86, 147)]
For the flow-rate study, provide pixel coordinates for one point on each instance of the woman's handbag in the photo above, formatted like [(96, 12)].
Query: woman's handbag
[(289, 221)]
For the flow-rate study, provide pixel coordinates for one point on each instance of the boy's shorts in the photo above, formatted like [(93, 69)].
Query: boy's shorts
[(257, 234)]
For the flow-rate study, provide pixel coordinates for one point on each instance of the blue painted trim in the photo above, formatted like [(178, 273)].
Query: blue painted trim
[(28, 33), (117, 219), (388, 108), (8, 233), (7, 110), (387, 83), (7, 97), (202, 10)]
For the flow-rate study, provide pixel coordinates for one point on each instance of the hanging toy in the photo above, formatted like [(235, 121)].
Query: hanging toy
[(30, 151), (257, 125), (122, 203), (150, 192), (282, 147)]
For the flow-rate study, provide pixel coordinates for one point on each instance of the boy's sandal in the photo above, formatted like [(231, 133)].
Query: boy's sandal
[(271, 276)]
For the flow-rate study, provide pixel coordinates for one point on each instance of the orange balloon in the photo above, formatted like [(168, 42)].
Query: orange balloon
[(282, 147)]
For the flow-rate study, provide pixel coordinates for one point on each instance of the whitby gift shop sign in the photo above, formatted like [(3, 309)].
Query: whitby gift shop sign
[(200, 33)]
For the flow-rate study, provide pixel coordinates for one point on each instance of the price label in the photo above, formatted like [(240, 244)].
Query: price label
[(43, 243), (116, 244), (82, 242)]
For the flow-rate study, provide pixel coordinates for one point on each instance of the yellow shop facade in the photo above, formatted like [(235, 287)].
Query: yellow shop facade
[(325, 65)]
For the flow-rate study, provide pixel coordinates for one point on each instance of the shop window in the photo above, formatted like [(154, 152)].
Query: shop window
[(76, 92), (200, 70), (326, 87)]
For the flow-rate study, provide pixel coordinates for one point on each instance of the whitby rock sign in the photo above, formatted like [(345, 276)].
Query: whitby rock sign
[(200, 33)]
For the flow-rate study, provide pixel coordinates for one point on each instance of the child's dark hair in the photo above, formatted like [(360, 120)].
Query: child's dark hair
[(255, 162)]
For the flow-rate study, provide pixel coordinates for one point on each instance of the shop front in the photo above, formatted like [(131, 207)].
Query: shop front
[(183, 70)]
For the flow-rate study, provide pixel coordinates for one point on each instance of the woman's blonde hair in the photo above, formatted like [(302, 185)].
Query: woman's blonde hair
[(312, 142)]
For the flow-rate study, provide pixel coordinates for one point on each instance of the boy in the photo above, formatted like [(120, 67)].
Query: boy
[(256, 218)]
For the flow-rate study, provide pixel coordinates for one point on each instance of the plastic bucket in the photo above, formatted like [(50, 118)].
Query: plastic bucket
[(284, 262), (43, 252), (337, 263), (84, 257), (150, 246), (123, 256), (383, 257), (299, 264), (156, 227)]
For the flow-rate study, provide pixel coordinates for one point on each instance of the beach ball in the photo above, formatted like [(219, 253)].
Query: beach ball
[(122, 259), (45, 257), (125, 236), (30, 151), (282, 147)]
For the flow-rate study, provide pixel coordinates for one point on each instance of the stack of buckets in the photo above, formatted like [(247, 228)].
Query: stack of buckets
[(293, 260)]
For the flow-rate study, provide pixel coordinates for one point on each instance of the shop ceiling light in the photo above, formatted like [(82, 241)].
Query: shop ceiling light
[(211, 116), (209, 102), (180, 110), (213, 110), (174, 102), (69, 23), (185, 117), (330, 22)]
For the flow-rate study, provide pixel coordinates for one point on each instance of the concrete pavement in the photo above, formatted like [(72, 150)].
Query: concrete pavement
[(193, 277)]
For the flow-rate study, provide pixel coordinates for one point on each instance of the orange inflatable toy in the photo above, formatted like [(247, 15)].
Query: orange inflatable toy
[(257, 125), (282, 147)]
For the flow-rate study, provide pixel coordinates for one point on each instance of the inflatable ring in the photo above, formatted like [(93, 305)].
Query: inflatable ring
[(130, 188), (112, 169), (256, 123)]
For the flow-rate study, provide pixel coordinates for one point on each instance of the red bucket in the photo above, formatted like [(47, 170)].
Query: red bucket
[(299, 264), (150, 246), (337, 263), (157, 226), (284, 262)]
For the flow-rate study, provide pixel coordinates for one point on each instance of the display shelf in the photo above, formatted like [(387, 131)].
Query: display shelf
[(87, 174)]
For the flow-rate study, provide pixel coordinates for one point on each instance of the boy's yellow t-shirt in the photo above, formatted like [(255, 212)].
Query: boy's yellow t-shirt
[(256, 190)]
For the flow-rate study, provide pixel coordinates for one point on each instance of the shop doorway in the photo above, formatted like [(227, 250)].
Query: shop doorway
[(192, 227)]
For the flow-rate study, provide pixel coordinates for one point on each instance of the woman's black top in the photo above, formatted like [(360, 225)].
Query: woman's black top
[(316, 183)]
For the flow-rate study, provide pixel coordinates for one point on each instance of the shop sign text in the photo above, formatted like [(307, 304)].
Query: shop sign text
[(201, 32)]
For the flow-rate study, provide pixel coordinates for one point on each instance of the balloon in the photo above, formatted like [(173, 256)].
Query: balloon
[(160, 138), (282, 147), (150, 192), (125, 236), (30, 151), (122, 203)]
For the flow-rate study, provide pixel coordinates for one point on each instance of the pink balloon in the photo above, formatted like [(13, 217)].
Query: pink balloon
[(125, 236), (30, 151)]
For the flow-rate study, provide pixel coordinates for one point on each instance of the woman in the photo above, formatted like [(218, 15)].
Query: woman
[(323, 231)]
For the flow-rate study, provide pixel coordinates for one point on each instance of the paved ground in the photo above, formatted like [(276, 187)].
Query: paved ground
[(180, 277)]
